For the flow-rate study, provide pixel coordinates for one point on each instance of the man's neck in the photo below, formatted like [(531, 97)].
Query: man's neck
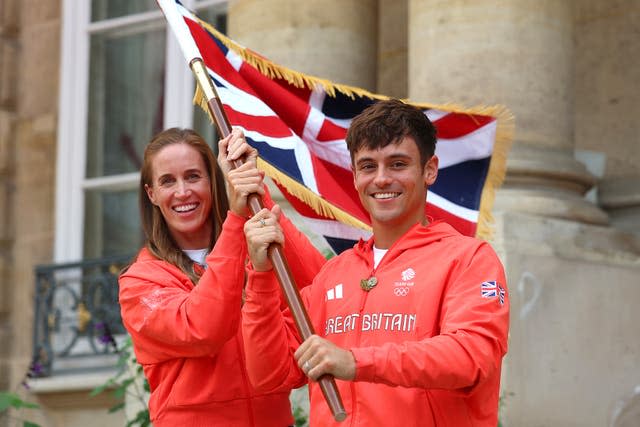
[(385, 236)]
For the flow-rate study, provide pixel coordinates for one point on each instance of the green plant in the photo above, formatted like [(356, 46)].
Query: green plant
[(299, 399), (10, 400), (501, 404), (129, 381), (300, 417)]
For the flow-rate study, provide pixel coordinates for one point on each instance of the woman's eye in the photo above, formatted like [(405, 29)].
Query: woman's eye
[(166, 181), (193, 177)]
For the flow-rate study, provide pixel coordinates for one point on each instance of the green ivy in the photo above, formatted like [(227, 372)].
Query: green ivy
[(9, 400), (129, 380)]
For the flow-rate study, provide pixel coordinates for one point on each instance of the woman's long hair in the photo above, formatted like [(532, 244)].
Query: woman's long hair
[(158, 237)]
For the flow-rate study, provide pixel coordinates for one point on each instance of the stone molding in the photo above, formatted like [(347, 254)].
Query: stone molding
[(548, 182), (620, 197)]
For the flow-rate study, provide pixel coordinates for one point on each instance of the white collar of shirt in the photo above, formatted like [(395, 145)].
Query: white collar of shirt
[(377, 256), (196, 255)]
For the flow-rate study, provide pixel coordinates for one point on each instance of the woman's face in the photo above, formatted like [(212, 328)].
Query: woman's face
[(181, 188)]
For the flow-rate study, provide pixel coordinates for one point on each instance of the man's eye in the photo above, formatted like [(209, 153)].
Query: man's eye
[(398, 165), (367, 166)]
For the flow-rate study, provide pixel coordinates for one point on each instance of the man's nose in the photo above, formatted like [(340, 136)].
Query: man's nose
[(382, 178)]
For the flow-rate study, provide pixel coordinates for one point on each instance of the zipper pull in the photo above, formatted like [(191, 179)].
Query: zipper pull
[(368, 284)]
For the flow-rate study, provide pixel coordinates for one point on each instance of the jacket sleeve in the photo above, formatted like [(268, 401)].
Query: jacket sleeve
[(168, 317), (269, 335), (304, 260), (469, 347)]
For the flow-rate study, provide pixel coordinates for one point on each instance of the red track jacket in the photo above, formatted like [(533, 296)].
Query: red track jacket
[(428, 339), (188, 338)]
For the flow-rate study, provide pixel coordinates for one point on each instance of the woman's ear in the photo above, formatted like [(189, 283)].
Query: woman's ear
[(150, 195)]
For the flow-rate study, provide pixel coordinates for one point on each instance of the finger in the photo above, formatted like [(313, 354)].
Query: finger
[(238, 147), (277, 211), (248, 168), (263, 213), (302, 349), (306, 350), (223, 144), (241, 147), (237, 178)]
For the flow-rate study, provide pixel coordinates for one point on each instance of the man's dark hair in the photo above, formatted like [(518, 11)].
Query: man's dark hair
[(387, 122)]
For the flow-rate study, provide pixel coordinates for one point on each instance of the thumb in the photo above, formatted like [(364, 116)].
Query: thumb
[(277, 211)]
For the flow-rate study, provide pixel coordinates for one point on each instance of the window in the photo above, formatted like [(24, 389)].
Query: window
[(123, 79)]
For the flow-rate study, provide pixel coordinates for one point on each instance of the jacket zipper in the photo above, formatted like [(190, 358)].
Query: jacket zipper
[(363, 302), (245, 380)]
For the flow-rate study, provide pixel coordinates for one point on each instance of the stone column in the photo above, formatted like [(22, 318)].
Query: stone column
[(34, 152), (573, 346), (9, 32), (608, 101), (392, 48), (517, 53), (333, 39)]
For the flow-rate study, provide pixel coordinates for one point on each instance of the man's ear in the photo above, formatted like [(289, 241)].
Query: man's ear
[(150, 195), (430, 172), (353, 174)]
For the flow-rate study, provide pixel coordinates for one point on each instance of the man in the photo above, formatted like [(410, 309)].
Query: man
[(412, 323)]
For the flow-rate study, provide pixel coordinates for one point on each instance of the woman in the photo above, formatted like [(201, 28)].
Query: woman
[(181, 297)]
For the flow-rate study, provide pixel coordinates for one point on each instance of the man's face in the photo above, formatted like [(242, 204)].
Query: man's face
[(392, 184)]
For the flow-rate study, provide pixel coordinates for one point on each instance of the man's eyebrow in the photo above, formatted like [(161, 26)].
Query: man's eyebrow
[(364, 159), (399, 156), (392, 156)]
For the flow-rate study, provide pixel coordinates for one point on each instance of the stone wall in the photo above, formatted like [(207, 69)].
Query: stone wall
[(29, 82)]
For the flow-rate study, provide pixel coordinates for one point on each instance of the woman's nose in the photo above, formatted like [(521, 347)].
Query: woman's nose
[(182, 189)]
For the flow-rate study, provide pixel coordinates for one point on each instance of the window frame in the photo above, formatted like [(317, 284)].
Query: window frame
[(73, 108)]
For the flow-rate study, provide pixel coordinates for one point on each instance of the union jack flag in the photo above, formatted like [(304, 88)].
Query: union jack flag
[(298, 124)]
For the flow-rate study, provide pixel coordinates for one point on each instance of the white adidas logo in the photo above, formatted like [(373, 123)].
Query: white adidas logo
[(335, 293)]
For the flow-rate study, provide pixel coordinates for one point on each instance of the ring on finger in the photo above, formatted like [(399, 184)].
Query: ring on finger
[(262, 222), (306, 366)]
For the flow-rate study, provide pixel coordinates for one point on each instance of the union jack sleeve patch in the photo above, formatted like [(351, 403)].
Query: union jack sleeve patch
[(492, 289)]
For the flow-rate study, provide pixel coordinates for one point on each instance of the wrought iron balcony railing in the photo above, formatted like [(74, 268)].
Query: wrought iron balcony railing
[(77, 316)]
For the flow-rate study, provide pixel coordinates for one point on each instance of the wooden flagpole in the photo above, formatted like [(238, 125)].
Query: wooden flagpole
[(280, 266)]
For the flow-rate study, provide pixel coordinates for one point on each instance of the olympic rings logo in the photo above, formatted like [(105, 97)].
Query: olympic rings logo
[(401, 291)]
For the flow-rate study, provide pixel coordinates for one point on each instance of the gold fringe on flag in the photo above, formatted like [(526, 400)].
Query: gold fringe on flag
[(497, 169), (318, 204)]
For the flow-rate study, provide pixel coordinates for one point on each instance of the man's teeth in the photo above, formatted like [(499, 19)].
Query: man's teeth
[(185, 208), (385, 195)]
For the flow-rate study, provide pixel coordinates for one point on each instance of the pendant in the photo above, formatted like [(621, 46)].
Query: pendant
[(368, 284)]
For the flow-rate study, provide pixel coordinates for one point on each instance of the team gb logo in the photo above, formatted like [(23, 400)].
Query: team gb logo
[(408, 274)]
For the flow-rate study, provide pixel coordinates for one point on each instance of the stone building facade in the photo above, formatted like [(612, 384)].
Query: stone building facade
[(567, 217)]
